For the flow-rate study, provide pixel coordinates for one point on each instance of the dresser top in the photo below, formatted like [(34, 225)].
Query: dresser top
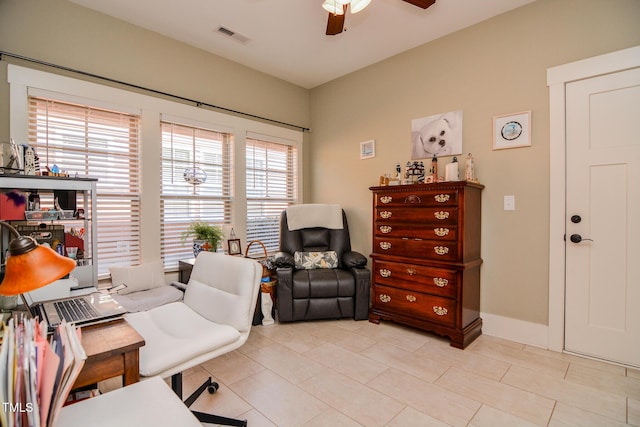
[(428, 186)]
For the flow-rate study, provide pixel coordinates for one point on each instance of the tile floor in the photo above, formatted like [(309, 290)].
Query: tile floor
[(347, 373)]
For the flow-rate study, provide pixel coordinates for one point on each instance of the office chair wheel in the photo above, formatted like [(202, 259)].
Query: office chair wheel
[(213, 388)]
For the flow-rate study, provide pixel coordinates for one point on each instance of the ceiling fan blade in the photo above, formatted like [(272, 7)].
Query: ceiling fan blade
[(335, 23), (421, 3)]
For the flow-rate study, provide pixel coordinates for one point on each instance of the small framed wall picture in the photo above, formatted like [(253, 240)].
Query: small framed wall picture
[(368, 149), (512, 130), (234, 246)]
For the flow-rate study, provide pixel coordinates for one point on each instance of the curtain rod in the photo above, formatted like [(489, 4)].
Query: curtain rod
[(157, 92)]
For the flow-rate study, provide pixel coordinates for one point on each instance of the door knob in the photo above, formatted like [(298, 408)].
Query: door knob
[(576, 238)]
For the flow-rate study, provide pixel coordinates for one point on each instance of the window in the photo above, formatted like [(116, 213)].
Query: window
[(196, 184), (117, 136), (101, 144), (271, 187)]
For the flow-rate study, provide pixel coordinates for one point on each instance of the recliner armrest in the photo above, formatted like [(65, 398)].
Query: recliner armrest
[(353, 259), (284, 259)]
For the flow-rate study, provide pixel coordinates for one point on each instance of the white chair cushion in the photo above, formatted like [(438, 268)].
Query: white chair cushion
[(219, 306), (138, 278), (225, 288), (175, 334), (151, 298)]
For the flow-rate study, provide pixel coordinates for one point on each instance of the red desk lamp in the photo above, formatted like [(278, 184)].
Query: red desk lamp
[(30, 265)]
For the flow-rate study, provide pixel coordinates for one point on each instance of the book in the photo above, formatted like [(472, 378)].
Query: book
[(36, 372)]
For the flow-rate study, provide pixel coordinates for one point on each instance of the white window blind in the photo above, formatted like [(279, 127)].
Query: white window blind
[(101, 144), (189, 148), (271, 187)]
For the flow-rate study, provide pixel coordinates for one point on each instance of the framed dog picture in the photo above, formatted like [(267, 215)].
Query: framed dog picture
[(512, 130), (438, 135)]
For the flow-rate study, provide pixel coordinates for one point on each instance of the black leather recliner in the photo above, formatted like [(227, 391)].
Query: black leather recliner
[(324, 293)]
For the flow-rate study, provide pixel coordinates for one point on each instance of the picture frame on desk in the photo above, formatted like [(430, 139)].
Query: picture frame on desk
[(234, 246)]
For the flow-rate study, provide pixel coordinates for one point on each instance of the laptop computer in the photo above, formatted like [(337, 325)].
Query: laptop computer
[(80, 310)]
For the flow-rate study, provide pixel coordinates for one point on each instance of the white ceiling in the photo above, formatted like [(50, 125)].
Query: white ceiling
[(287, 37)]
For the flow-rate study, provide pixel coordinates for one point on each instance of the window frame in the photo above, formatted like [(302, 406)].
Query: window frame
[(269, 199), (203, 195), (25, 81), (75, 131)]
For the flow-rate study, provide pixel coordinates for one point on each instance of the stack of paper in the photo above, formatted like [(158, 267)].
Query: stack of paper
[(36, 373)]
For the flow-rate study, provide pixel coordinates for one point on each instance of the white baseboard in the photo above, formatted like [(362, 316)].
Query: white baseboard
[(521, 331)]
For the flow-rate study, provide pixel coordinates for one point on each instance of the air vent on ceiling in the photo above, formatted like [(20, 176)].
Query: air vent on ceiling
[(233, 34)]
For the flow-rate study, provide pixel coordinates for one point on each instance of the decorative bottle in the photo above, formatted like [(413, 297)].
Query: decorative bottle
[(434, 168), (470, 172), (452, 171)]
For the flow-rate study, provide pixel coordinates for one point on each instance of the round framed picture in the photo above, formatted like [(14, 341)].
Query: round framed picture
[(512, 130)]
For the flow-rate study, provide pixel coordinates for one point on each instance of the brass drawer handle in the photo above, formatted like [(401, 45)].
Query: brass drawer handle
[(441, 232), (440, 282), (385, 273), (386, 214), (440, 311), (411, 298), (442, 198), (441, 250), (413, 199), (386, 199), (385, 298), (385, 229), (385, 245), (441, 215), (411, 271)]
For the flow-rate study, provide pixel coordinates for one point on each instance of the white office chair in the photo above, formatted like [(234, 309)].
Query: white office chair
[(213, 319)]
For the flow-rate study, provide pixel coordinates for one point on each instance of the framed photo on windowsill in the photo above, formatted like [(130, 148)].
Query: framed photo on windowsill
[(512, 130), (234, 246)]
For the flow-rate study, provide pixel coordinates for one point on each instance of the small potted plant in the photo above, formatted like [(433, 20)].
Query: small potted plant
[(205, 236)]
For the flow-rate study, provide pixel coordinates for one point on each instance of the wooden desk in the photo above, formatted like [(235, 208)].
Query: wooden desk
[(112, 350)]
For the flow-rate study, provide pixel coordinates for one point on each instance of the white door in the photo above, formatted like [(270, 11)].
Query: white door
[(603, 217)]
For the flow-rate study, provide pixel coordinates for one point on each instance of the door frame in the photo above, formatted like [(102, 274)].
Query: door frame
[(557, 78)]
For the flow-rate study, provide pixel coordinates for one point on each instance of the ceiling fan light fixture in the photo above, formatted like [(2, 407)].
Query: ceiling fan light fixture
[(357, 5), (334, 6)]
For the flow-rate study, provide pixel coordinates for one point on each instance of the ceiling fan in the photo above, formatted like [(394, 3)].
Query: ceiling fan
[(338, 8)]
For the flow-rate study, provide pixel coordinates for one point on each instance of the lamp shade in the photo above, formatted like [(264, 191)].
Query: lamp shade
[(31, 266)]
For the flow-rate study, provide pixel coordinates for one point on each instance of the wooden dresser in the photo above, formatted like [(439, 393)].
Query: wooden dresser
[(426, 258)]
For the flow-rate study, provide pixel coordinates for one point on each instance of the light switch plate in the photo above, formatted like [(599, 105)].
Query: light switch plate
[(509, 203)]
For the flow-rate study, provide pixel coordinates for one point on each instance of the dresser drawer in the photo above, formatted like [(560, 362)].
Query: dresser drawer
[(414, 248), (442, 216), (418, 278), (400, 230), (416, 304), (418, 198)]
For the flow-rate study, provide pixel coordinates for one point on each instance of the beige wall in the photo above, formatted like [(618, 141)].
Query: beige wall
[(493, 68), (64, 33)]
